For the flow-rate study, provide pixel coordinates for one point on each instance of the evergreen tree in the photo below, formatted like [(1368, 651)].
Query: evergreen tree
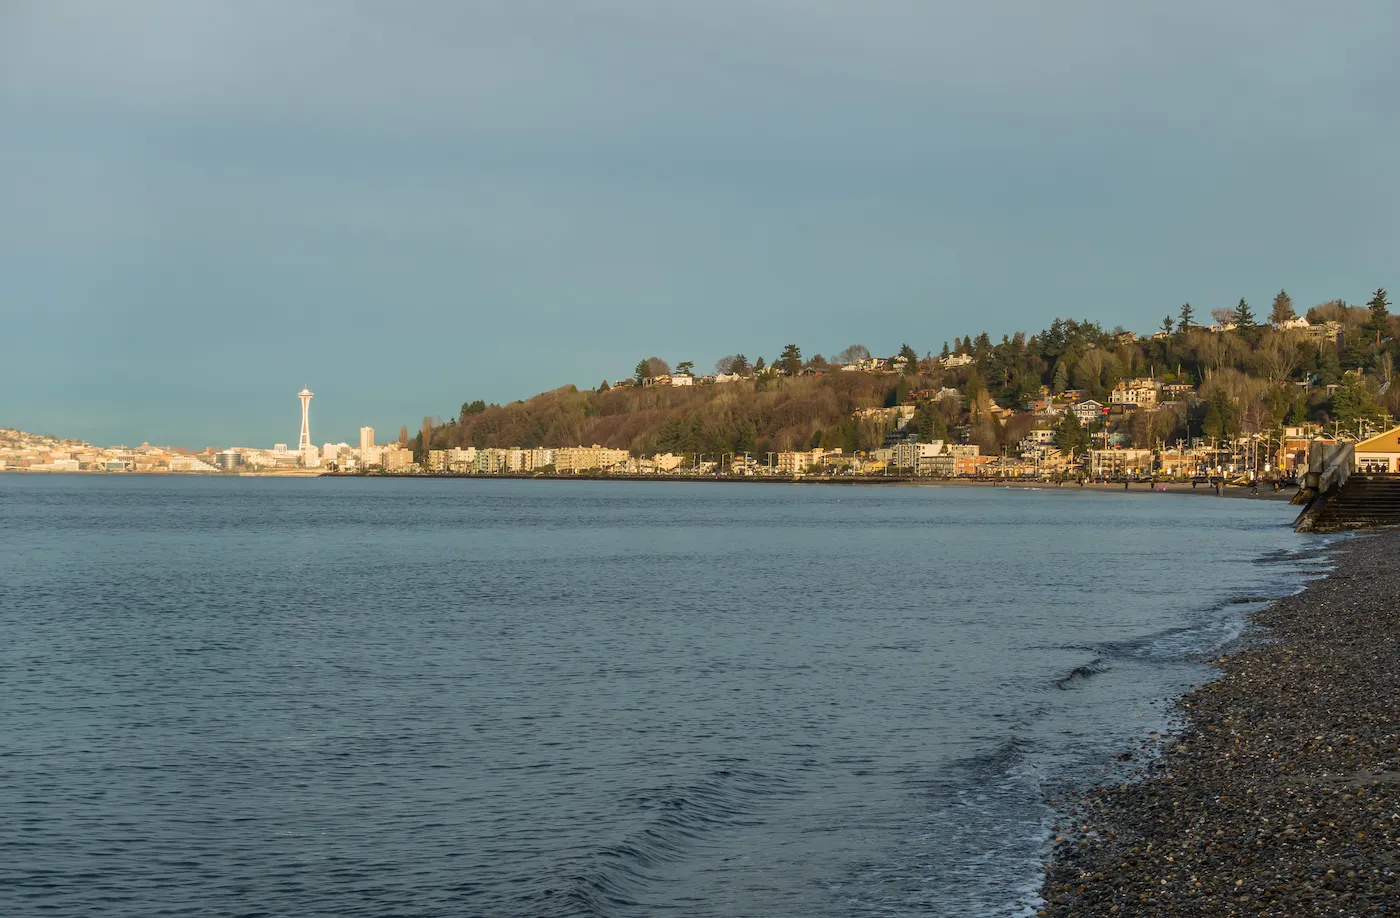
[(1187, 314), (927, 424), (1245, 322), (642, 371), (1222, 420), (1328, 364), (1060, 380), (1378, 325), (1070, 436), (790, 363), (603, 386), (911, 359), (943, 354), (744, 442), (685, 368), (759, 365), (1353, 403), (1283, 309), (1167, 325)]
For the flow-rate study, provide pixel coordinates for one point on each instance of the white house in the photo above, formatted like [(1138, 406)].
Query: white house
[(1088, 411), (676, 380)]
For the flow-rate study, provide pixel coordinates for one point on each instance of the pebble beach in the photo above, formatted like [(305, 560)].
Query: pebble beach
[(1280, 794)]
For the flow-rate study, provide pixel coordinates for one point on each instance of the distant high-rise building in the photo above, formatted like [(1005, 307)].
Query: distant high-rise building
[(366, 437), (305, 396)]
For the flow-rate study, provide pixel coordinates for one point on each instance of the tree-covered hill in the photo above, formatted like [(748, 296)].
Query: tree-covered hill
[(1241, 375), (750, 415)]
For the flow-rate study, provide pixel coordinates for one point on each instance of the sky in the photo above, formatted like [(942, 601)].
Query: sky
[(206, 205)]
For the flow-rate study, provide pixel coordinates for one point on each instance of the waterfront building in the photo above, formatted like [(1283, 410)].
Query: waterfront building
[(1380, 453), (230, 460), (282, 457), (572, 459), (335, 452), (970, 464), (461, 460), (397, 459), (366, 437), (915, 456), (189, 464), (490, 461), (796, 463), (1110, 462)]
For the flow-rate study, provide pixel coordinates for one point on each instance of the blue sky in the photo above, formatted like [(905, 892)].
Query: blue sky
[(205, 206)]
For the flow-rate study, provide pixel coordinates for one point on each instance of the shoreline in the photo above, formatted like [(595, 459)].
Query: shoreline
[(1280, 794), (1015, 484)]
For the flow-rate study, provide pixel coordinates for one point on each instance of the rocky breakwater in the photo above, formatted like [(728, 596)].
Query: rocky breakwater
[(1281, 794)]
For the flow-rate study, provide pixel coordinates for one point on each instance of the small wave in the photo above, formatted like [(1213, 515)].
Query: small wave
[(1082, 673), (614, 878), (979, 850)]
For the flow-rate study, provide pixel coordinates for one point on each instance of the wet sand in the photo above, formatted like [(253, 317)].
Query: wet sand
[(1281, 795)]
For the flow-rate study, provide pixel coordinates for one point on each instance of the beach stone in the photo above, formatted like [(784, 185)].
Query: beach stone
[(1269, 800)]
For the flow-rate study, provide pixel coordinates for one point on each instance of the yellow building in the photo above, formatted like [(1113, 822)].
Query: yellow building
[(1381, 453), (580, 458)]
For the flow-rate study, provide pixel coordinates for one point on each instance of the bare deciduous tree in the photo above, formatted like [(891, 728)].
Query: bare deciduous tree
[(854, 354)]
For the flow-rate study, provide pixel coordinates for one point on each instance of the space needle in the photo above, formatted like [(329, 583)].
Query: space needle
[(305, 442)]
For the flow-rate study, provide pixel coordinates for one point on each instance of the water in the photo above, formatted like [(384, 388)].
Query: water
[(503, 698)]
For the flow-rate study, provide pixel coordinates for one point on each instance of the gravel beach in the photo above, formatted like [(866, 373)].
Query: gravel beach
[(1280, 796)]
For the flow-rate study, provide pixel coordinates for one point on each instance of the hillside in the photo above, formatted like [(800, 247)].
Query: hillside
[(751, 415), (1238, 376), (11, 438)]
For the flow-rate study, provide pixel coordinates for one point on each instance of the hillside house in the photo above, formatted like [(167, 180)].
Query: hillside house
[(1088, 411)]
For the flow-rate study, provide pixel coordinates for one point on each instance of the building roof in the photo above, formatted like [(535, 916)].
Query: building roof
[(1387, 442)]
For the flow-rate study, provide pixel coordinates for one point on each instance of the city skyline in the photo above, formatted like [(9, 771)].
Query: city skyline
[(420, 206)]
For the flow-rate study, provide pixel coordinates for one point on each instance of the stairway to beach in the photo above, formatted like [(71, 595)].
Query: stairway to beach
[(1364, 500)]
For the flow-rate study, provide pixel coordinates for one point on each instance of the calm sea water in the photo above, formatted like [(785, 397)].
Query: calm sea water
[(502, 698)]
